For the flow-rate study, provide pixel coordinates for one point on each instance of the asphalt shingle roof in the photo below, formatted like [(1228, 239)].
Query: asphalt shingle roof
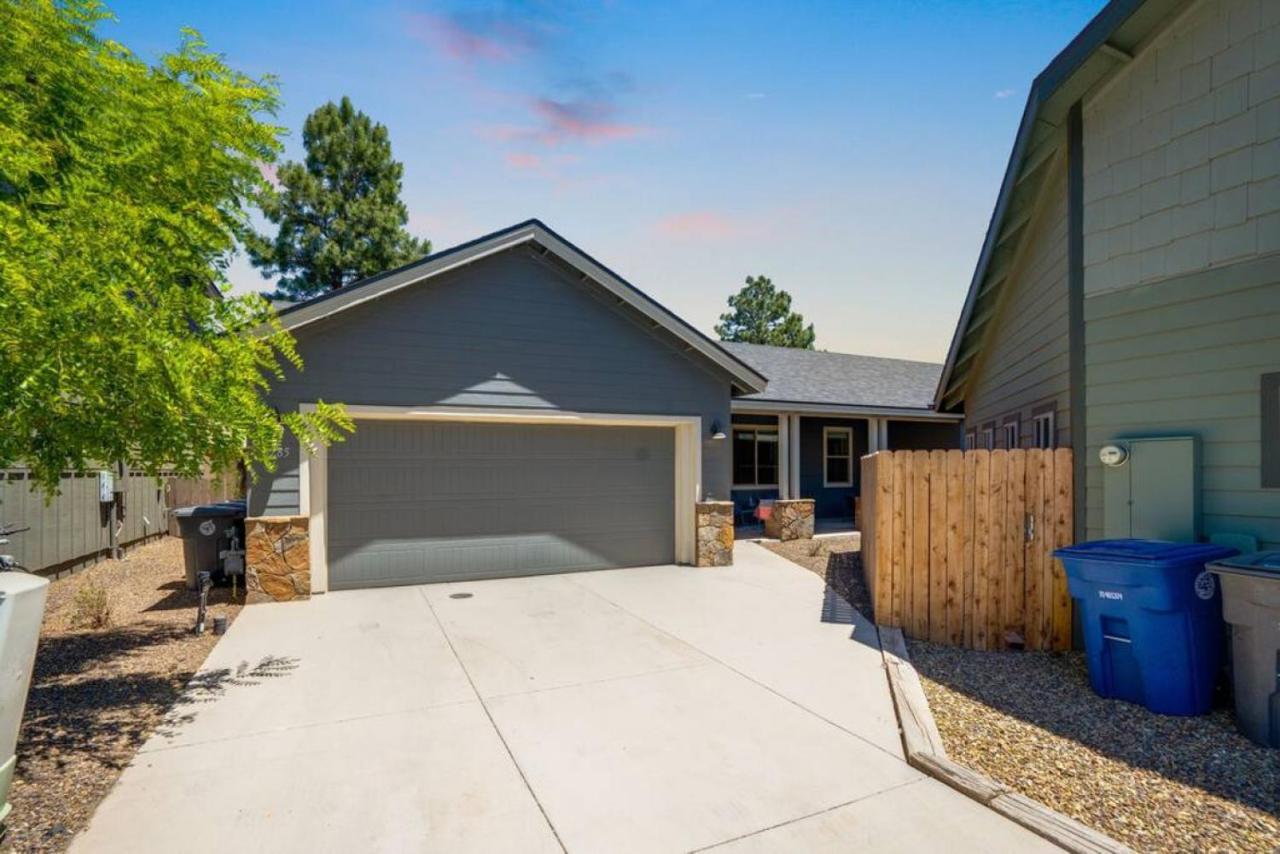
[(814, 376)]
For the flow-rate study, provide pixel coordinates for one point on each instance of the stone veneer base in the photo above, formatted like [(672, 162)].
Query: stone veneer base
[(791, 519), (277, 558), (714, 533)]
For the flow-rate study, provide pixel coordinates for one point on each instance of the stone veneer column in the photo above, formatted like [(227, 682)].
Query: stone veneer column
[(791, 519), (715, 533), (277, 558)]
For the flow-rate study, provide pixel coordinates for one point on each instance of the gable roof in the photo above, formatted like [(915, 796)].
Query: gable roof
[(745, 379), (1106, 44), (838, 381)]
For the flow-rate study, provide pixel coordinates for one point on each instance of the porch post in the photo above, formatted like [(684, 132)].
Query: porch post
[(784, 457), (793, 434), (873, 435)]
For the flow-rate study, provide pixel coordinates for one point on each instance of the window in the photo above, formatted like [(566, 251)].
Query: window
[(1044, 433), (755, 456), (988, 436), (970, 440), (1271, 431), (1011, 432), (837, 456)]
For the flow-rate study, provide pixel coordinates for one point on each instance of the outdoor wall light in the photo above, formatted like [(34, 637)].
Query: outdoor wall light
[(716, 432)]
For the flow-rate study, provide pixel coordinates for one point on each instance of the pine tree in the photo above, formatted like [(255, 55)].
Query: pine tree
[(761, 314), (338, 214)]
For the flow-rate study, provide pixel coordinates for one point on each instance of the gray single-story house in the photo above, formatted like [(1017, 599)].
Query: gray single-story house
[(521, 409), (802, 437)]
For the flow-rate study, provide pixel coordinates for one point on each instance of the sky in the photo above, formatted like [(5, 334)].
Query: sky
[(849, 150)]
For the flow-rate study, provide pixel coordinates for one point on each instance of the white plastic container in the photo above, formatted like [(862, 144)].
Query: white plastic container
[(22, 600)]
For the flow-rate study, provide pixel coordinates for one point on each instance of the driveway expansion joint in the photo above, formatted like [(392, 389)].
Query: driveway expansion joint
[(807, 816), (524, 778), (743, 675)]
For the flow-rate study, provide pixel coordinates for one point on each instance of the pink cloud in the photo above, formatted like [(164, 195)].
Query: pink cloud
[(523, 160), (699, 225), (473, 39), (582, 119)]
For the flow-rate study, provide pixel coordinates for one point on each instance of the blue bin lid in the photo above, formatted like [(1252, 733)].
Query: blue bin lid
[(1145, 551), (1261, 564)]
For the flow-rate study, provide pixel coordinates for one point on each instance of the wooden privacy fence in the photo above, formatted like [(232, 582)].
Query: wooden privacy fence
[(957, 546), (75, 527)]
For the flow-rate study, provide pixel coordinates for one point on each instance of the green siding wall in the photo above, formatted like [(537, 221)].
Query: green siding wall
[(1186, 356), (1024, 362)]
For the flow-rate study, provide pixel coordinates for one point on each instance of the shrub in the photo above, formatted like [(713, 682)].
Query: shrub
[(91, 608)]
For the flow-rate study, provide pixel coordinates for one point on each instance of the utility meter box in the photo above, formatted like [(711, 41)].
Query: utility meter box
[(106, 487), (1151, 488)]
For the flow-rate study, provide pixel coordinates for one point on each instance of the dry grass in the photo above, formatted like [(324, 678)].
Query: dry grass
[(97, 694), (1031, 721)]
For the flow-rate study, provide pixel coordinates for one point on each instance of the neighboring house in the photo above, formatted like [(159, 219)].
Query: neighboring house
[(1129, 283), (520, 409), (802, 436)]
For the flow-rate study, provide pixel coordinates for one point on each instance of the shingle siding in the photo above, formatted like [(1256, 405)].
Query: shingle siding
[(1182, 150), (1024, 362)]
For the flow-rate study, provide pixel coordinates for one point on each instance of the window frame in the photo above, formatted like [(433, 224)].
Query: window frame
[(756, 430), (987, 437), (971, 439), (1045, 437), (827, 431), (1013, 421)]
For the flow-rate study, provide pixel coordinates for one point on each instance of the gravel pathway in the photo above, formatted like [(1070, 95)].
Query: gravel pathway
[(97, 695), (1031, 721)]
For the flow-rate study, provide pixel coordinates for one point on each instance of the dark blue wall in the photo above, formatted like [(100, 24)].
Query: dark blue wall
[(829, 502)]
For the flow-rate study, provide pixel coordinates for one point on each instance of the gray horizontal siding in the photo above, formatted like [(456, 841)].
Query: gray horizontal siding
[(513, 330), (1185, 356), (1024, 361)]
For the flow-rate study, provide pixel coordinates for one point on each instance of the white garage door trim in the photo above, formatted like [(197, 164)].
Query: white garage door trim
[(313, 490)]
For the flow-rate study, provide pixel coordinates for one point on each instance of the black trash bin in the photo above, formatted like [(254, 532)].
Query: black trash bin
[(207, 531)]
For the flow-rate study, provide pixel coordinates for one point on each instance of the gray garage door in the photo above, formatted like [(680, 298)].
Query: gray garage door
[(413, 502)]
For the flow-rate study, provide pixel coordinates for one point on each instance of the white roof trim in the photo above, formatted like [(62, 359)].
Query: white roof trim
[(533, 231)]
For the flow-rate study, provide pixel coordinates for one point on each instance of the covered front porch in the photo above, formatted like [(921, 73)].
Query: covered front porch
[(815, 455)]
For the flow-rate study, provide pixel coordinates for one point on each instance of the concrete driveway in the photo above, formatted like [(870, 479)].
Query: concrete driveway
[(657, 709)]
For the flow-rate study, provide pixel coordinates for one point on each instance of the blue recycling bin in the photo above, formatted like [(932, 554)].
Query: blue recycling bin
[(1152, 618)]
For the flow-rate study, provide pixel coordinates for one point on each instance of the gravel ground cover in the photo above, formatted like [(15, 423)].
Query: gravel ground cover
[(1031, 721), (97, 694), (1155, 783)]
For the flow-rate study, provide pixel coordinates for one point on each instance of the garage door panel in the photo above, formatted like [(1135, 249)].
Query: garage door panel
[(439, 501)]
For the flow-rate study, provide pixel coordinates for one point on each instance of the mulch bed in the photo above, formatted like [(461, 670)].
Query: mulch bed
[(1031, 721), (97, 694)]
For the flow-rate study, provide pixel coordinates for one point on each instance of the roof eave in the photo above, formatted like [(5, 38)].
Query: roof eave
[(1093, 39)]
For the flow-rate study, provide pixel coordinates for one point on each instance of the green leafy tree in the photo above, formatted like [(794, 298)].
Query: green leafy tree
[(338, 214), (761, 314), (123, 189)]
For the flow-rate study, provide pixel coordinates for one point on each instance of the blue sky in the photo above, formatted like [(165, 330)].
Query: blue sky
[(849, 150)]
